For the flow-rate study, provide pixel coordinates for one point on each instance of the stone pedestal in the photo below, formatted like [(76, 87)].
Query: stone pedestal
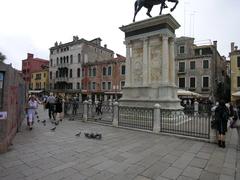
[(150, 66)]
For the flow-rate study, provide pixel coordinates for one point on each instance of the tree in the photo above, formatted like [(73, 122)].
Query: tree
[(2, 57)]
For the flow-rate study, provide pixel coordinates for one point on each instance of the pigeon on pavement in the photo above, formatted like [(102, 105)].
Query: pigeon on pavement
[(53, 129)]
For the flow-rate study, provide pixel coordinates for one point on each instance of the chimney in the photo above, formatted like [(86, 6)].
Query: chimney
[(236, 48), (215, 44), (232, 46), (105, 46), (29, 56)]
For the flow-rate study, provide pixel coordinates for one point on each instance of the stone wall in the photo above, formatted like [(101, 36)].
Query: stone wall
[(13, 104)]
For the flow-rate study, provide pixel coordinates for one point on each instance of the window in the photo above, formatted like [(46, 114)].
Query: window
[(181, 49), (57, 61), (71, 59), (67, 59), (56, 74), (51, 62), (192, 82), (64, 59), (123, 69), (122, 84), (78, 85), (82, 72), (94, 72), (70, 75), (89, 71), (181, 82), (181, 67), (238, 81), (103, 85), (78, 72), (192, 65), (238, 61), (104, 71), (205, 82), (50, 74), (205, 64), (61, 60), (109, 71), (79, 58), (109, 85), (93, 85)]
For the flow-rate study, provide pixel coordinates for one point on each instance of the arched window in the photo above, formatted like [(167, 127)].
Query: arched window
[(61, 60), (94, 72), (71, 59), (70, 74), (78, 72), (123, 70), (109, 70), (67, 59), (57, 61), (104, 71), (79, 58)]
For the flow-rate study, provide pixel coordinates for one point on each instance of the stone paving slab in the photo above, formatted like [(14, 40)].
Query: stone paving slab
[(121, 155)]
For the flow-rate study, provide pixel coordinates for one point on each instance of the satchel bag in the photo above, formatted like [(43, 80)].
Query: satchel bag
[(235, 124)]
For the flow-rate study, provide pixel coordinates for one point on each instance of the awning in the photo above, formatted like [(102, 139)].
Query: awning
[(35, 91), (237, 94), (182, 92)]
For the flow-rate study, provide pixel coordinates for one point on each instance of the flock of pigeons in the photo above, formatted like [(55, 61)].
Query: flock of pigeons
[(87, 135)]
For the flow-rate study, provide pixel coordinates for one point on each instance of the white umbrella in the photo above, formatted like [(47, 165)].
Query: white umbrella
[(182, 92)]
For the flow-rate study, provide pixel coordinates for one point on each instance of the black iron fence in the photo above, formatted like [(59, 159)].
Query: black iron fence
[(187, 123), (136, 117), (102, 113), (73, 109)]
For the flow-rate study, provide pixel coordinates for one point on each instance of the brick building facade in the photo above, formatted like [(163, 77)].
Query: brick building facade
[(105, 79), (31, 65)]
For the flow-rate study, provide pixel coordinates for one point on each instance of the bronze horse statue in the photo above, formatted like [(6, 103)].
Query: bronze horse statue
[(149, 5)]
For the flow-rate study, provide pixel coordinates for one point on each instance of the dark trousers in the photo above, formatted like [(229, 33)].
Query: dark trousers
[(51, 111)]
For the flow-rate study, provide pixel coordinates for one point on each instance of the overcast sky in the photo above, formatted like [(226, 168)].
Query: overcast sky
[(35, 25)]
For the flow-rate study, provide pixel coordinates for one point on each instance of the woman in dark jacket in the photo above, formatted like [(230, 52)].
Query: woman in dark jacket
[(221, 115), (59, 109)]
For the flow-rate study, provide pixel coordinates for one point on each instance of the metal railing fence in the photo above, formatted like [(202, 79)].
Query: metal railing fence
[(136, 117), (187, 123)]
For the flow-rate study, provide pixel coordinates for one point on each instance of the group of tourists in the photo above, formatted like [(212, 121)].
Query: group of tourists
[(54, 104), (223, 114)]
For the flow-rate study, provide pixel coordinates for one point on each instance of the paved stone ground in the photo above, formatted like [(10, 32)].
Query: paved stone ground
[(121, 155)]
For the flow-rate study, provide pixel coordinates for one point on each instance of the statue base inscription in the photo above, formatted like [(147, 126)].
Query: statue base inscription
[(150, 64)]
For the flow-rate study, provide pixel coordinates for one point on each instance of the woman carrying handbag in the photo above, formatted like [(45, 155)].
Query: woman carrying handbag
[(235, 123)]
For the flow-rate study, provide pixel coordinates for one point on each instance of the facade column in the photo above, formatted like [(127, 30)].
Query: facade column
[(165, 60), (128, 80), (145, 61), (172, 73)]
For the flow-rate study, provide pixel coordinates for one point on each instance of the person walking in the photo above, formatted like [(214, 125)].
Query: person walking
[(221, 115), (51, 103), (31, 110), (59, 110)]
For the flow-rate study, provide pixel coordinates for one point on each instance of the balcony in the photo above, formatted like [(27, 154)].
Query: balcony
[(181, 72), (62, 79), (205, 89), (63, 65)]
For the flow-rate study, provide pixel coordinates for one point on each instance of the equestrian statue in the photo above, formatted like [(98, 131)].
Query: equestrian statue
[(149, 5)]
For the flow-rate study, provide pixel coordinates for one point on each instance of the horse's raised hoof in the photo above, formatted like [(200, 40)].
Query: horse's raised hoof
[(149, 14), (171, 10)]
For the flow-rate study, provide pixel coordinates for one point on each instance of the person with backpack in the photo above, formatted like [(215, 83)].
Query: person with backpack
[(222, 116)]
